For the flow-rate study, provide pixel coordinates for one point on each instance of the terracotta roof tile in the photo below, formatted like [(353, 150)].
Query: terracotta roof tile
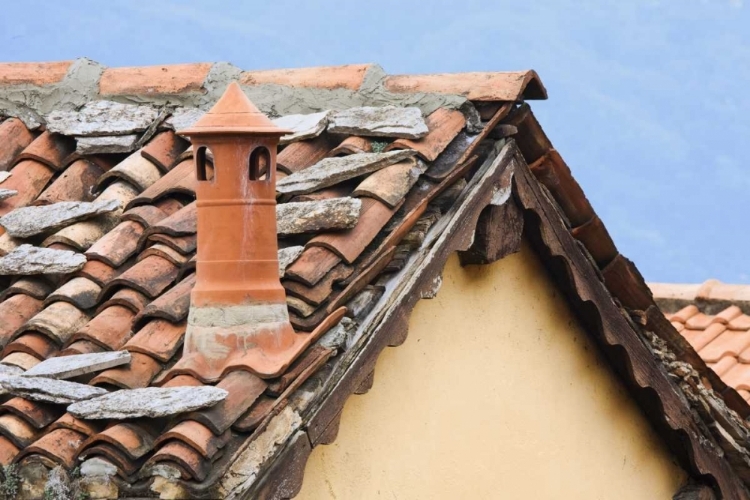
[(21, 360), (155, 80), (699, 321), (37, 345), (44, 73), (29, 178), (50, 149), (185, 457), (513, 86), (138, 373), (127, 298), (348, 77), (444, 126), (723, 365), (159, 339), (164, 150), (352, 145), (60, 445), (14, 137), (110, 329), (16, 311), (38, 415), (741, 322), (8, 451), (76, 183), (197, 436), (58, 321), (150, 276), (17, 430)]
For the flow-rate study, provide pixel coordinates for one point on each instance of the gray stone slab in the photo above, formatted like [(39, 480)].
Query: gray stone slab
[(63, 367), (303, 126), (7, 193), (4, 176), (102, 118), (7, 371), (29, 221), (28, 260), (315, 216), (183, 118), (330, 171), (385, 121), (287, 256), (107, 145), (50, 390), (150, 402)]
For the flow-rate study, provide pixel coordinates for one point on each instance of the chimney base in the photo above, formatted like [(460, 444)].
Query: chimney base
[(255, 337)]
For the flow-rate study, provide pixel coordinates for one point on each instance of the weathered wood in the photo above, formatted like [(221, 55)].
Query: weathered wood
[(647, 380), (499, 228), (385, 121), (284, 479), (330, 171), (695, 492)]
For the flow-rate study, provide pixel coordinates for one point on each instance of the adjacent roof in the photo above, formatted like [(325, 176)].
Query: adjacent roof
[(714, 317), (483, 175)]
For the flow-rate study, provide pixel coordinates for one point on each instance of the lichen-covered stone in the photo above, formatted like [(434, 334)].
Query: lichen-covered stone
[(302, 126), (287, 256), (106, 145), (385, 121), (27, 260), (29, 221), (183, 118), (50, 390), (152, 402), (7, 193), (330, 171), (102, 118), (63, 367), (314, 216)]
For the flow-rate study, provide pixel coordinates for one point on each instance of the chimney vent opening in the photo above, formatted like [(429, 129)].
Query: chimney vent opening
[(203, 172), (260, 160)]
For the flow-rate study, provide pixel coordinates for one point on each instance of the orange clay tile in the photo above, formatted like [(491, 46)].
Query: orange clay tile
[(164, 149), (352, 145), (60, 445), (39, 346), (58, 321), (443, 125), (511, 86), (127, 298), (86, 427), (16, 311), (197, 436), (349, 244), (300, 155), (744, 356), (33, 286), (244, 389), (172, 305), (99, 272), (8, 451), (118, 245), (138, 373), (132, 439), (729, 343), (79, 291), (50, 149), (185, 457), (181, 223), (745, 394), (125, 466), (29, 178), (109, 329), (150, 276), (14, 137), (312, 265), (701, 338), (154, 80), (183, 381), (159, 339), (263, 407), (81, 347), (738, 376), (685, 313), (678, 326), (43, 73), (76, 183), (699, 321), (315, 356), (741, 322), (728, 314), (723, 365), (319, 293), (21, 360), (165, 252), (185, 245), (37, 414), (349, 77), (17, 430), (180, 180)]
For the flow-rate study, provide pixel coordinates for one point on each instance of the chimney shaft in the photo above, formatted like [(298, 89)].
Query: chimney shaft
[(238, 315)]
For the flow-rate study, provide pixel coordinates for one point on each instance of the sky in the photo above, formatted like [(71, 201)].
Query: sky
[(648, 100)]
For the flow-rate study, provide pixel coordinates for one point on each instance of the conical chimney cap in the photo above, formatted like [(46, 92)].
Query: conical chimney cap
[(234, 113)]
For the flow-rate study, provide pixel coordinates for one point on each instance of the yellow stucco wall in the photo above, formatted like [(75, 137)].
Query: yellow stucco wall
[(497, 393)]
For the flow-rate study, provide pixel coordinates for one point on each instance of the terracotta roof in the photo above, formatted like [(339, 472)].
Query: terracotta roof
[(76, 131), (715, 318)]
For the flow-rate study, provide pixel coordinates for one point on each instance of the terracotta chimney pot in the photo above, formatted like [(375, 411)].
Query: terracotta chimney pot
[(238, 314)]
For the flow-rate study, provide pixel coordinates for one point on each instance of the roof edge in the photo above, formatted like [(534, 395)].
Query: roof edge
[(711, 296)]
